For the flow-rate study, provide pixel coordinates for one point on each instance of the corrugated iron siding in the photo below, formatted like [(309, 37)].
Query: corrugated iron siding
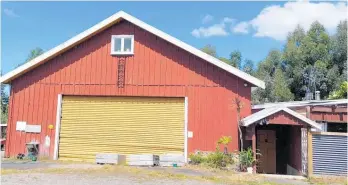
[(329, 154), (157, 69), (123, 125)]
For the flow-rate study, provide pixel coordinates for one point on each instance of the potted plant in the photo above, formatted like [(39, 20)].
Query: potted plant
[(246, 159)]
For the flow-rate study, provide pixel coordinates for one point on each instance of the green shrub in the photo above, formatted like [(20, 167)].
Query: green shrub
[(197, 158), (246, 158), (216, 160)]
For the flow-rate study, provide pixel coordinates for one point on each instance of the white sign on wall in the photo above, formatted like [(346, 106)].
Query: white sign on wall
[(33, 128), (20, 125), (47, 141), (189, 134)]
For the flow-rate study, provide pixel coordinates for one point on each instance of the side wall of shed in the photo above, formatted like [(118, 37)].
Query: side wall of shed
[(157, 69)]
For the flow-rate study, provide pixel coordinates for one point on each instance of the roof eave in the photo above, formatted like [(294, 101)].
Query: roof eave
[(247, 122)]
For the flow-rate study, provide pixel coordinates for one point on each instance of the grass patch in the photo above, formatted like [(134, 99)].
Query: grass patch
[(328, 180)]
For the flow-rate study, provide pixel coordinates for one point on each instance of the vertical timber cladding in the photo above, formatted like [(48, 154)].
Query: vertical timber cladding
[(123, 125)]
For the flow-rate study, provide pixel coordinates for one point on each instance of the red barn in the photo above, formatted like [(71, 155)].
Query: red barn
[(123, 86)]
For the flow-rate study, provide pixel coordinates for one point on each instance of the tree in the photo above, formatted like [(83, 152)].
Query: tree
[(281, 90), (266, 72), (34, 53), (239, 105), (248, 66), (341, 92), (210, 50), (4, 105), (225, 60), (339, 46), (236, 59), (307, 59)]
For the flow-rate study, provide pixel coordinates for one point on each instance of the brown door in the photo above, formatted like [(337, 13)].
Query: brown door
[(266, 145)]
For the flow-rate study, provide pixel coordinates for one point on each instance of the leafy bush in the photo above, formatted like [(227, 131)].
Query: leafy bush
[(197, 158), (246, 158), (215, 159), (218, 159)]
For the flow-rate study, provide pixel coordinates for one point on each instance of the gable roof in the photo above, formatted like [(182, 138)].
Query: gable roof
[(269, 111), (7, 78)]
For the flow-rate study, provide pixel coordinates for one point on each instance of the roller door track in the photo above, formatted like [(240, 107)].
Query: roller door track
[(124, 125)]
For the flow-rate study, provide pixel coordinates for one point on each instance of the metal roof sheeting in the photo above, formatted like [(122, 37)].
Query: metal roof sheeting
[(301, 103)]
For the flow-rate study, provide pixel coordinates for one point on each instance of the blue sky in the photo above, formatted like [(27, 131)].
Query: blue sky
[(244, 26)]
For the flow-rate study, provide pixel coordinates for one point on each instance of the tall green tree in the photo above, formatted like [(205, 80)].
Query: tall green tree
[(4, 105), (236, 59), (266, 71), (248, 66), (32, 54), (341, 92), (210, 50), (339, 47), (281, 91)]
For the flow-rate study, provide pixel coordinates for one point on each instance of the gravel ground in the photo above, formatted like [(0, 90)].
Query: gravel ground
[(90, 179), (34, 173)]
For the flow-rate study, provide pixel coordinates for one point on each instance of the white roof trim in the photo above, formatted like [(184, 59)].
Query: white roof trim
[(111, 20), (269, 111)]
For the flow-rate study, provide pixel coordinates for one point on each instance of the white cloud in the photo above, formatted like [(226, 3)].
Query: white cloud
[(277, 21), (228, 20), (10, 13), (213, 30), (241, 27), (207, 19)]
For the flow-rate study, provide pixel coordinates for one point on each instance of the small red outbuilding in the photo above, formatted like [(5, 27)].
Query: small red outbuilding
[(123, 86)]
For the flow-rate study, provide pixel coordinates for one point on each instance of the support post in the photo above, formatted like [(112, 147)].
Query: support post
[(304, 150), (253, 138), (310, 154)]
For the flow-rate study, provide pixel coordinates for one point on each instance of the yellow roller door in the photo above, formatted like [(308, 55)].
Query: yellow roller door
[(123, 125)]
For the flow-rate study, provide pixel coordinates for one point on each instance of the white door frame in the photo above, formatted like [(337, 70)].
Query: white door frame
[(185, 132), (58, 117)]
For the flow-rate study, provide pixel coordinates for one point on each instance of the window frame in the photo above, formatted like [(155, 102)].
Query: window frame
[(122, 52)]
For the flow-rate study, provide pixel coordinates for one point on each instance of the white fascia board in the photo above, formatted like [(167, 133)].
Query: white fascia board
[(269, 111), (258, 116), (195, 51), (56, 50), (51, 53)]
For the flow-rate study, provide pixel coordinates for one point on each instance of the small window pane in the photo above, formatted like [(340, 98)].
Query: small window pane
[(127, 45), (117, 46)]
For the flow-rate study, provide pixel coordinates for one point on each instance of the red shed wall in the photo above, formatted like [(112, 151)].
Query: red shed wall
[(157, 68)]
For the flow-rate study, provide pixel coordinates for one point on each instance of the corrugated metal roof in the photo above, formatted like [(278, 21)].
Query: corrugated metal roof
[(272, 110), (301, 103)]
